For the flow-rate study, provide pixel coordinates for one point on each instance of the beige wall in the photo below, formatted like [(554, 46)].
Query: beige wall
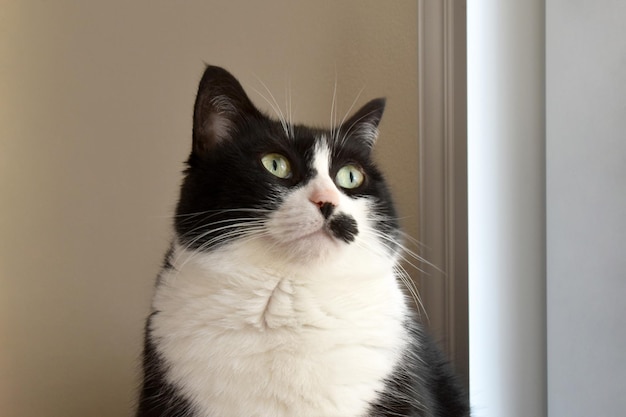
[(95, 112)]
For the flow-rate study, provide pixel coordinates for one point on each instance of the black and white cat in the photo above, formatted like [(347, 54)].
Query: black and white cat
[(280, 296)]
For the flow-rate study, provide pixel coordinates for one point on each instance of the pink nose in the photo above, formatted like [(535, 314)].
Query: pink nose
[(326, 195)]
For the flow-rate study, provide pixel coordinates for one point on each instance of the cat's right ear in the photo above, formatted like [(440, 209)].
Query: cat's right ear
[(364, 123), (221, 105)]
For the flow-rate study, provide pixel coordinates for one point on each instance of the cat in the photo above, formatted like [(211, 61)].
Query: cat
[(281, 293)]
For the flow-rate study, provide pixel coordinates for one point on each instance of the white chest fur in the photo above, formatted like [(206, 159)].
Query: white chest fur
[(240, 341)]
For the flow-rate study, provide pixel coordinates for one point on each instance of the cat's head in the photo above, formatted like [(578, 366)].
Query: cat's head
[(305, 192)]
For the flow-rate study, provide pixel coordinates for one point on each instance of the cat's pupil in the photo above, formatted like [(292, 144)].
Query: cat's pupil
[(275, 164)]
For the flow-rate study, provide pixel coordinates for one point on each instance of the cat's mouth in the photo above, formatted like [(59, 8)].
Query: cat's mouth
[(341, 227)]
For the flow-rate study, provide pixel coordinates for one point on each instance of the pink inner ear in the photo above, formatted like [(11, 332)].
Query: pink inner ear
[(217, 127), (367, 131)]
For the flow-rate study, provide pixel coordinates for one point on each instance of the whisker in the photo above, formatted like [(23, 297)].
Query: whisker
[(333, 111), (273, 104), (241, 235), (289, 110), (235, 225), (341, 142), (406, 254), (343, 120), (411, 286), (237, 222), (394, 245)]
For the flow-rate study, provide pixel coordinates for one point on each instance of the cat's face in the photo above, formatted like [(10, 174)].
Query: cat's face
[(302, 191)]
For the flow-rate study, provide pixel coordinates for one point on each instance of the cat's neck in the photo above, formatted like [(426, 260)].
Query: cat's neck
[(254, 285)]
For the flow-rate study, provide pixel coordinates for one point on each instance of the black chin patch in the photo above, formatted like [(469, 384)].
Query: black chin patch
[(343, 227)]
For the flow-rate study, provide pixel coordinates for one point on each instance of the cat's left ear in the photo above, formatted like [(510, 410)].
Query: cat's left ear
[(364, 123)]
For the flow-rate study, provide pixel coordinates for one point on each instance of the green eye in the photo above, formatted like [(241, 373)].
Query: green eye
[(349, 176), (277, 165)]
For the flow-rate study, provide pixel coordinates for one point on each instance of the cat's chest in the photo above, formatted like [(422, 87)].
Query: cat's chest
[(257, 344)]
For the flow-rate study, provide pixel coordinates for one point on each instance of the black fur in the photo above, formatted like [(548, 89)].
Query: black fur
[(158, 398), (423, 385), (344, 227)]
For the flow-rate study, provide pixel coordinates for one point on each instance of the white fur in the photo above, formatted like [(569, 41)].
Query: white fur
[(293, 323)]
